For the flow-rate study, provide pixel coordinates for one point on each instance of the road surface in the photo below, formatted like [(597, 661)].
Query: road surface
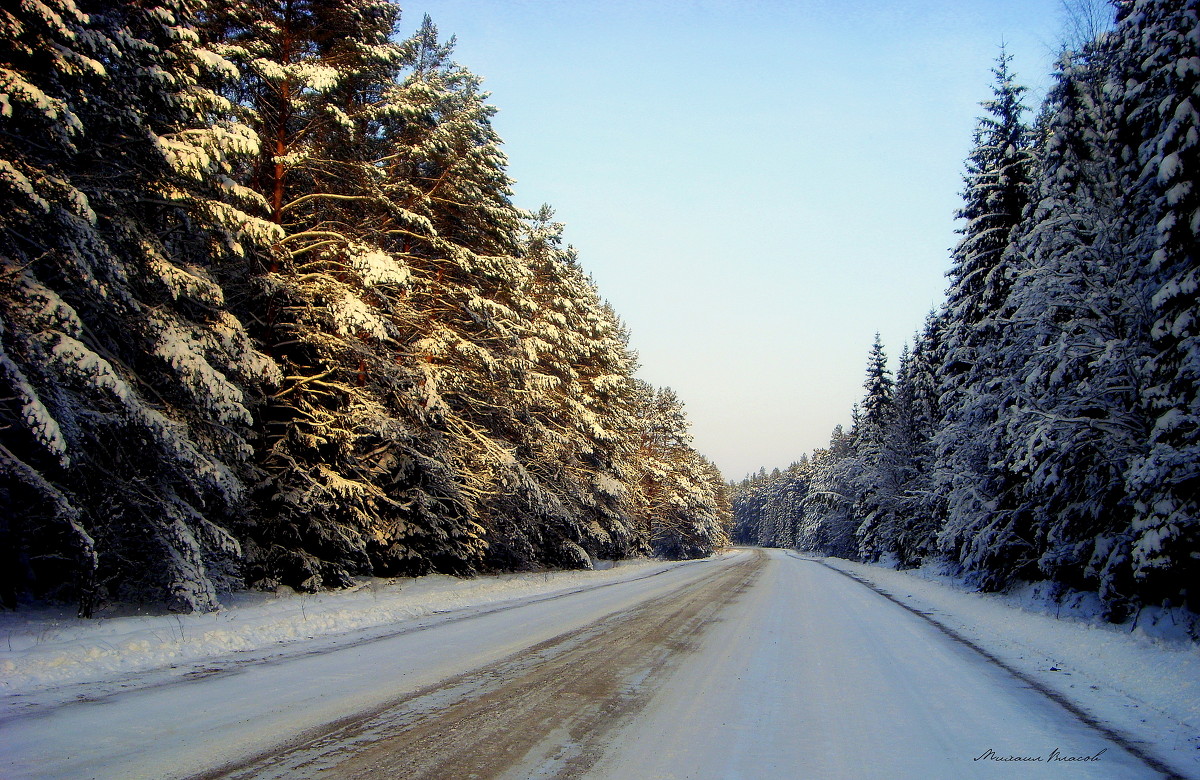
[(754, 665)]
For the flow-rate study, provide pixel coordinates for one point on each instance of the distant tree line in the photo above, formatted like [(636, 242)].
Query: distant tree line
[(1045, 423), (268, 315)]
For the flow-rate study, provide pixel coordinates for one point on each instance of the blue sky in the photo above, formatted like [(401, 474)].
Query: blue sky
[(757, 186)]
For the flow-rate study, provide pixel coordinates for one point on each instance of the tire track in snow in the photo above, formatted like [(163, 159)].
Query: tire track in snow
[(1126, 743), (542, 712)]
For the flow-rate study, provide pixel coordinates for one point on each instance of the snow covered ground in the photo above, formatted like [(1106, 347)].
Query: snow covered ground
[(49, 649), (93, 701), (799, 671), (1144, 682), (816, 676)]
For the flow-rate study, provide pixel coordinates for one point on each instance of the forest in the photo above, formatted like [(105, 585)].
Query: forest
[(1044, 423), (269, 316)]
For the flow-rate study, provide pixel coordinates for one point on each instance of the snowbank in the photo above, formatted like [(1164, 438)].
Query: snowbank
[(50, 648), (1144, 683)]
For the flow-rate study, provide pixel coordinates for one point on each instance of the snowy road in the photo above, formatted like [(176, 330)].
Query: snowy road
[(756, 665)]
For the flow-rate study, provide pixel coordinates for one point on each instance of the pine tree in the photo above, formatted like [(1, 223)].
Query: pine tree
[(749, 501), (1045, 423), (359, 473), (876, 409), (682, 495), (920, 512), (572, 422), (829, 523), (664, 436), (783, 510), (527, 356), (126, 381), (997, 181), (454, 393), (1158, 39), (876, 491), (583, 368), (1079, 339)]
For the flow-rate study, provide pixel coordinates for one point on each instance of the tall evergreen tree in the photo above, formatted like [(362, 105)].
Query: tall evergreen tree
[(981, 274), (125, 378), (829, 522), (783, 510), (1045, 423), (454, 394), (1158, 103), (359, 472), (749, 498), (1079, 339), (911, 456), (877, 491), (682, 496), (573, 418)]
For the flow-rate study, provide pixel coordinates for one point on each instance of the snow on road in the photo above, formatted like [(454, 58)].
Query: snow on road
[(753, 665), (166, 725), (815, 676), (543, 712), (1142, 684)]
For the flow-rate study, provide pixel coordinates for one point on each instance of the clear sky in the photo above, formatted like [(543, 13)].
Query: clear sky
[(757, 186)]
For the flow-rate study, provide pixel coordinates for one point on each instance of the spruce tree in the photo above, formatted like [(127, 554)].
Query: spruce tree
[(783, 510), (1158, 104), (1079, 339), (491, 283), (829, 522), (749, 501), (681, 494), (127, 382), (981, 275), (876, 491), (575, 401), (920, 512)]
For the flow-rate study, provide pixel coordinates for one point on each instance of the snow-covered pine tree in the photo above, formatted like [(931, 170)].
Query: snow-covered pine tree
[(574, 408), (534, 517), (522, 353), (909, 448), (829, 523), (773, 524), (125, 378), (897, 469), (394, 294), (749, 498), (783, 511), (997, 177), (611, 392), (1080, 339), (719, 533), (1159, 41), (681, 495), (712, 508), (664, 434), (981, 274), (482, 298), (357, 474), (877, 490)]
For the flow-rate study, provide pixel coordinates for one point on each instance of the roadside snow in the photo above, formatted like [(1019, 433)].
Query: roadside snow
[(51, 648), (1144, 683)]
